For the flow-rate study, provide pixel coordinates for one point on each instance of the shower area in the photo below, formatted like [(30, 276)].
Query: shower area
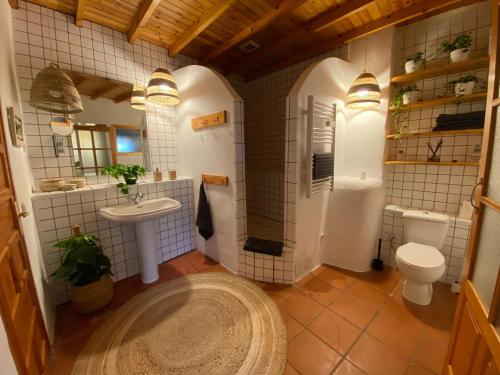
[(265, 108)]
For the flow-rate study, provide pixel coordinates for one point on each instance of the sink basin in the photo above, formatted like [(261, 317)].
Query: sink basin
[(144, 211), (141, 215)]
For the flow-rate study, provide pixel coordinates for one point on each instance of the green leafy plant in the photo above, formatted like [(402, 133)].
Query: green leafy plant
[(416, 57), (467, 78), (83, 261), (130, 174), (463, 40), (396, 103)]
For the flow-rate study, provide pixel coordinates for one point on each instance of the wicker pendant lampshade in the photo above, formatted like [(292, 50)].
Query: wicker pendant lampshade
[(54, 91), (364, 92), (138, 100), (162, 88)]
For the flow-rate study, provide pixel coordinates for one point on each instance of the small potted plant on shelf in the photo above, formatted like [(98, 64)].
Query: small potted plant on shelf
[(406, 95), (87, 269), (129, 173), (464, 86), (414, 62), (459, 48)]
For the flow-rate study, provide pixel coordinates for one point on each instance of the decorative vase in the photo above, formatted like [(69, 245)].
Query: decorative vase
[(466, 88), (459, 55), (412, 66), (92, 297), (410, 97), (434, 158)]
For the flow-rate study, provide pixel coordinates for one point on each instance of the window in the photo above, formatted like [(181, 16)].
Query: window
[(91, 149)]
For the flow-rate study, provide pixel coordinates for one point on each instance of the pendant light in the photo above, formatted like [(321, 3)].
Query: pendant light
[(162, 88), (364, 92), (137, 100), (53, 90)]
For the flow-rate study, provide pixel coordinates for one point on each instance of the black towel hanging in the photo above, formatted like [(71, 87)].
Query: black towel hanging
[(204, 217)]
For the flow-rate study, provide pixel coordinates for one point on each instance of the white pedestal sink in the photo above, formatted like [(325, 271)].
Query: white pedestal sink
[(142, 215)]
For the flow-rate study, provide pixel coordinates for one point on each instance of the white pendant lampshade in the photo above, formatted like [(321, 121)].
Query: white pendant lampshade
[(162, 88), (364, 92), (53, 91), (138, 99)]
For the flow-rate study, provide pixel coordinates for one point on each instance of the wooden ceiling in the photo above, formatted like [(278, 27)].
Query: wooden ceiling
[(212, 31)]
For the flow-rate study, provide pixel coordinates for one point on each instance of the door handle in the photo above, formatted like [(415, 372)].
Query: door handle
[(23, 214), (473, 194)]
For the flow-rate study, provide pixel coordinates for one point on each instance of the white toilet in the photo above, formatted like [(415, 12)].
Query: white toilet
[(419, 260)]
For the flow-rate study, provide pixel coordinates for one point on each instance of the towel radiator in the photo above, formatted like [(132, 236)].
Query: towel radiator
[(320, 138)]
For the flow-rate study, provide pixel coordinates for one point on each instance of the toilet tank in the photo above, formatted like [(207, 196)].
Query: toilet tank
[(427, 228)]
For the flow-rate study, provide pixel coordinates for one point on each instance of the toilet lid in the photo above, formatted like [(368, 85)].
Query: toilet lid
[(418, 255)]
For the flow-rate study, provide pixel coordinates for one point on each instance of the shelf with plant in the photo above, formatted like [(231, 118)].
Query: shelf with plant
[(404, 96), (424, 162), (442, 133), (130, 174), (439, 102)]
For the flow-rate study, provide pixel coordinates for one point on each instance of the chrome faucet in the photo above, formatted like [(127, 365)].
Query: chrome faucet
[(136, 198)]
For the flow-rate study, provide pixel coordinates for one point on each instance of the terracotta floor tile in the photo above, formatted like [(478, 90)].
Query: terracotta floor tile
[(289, 370), (416, 369), (375, 358), (311, 356), (335, 331), (386, 280), (364, 291), (199, 260), (431, 350), (353, 309), (301, 307), (338, 279), (216, 268), (304, 280), (178, 267), (293, 327), (401, 335), (277, 292), (347, 368), (320, 291)]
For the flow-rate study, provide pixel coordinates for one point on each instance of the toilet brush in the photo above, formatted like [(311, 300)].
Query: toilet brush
[(378, 264)]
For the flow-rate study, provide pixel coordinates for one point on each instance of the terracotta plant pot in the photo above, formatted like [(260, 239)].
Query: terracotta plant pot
[(92, 297), (459, 55)]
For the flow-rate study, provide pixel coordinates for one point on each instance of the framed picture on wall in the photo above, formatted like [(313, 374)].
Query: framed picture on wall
[(15, 127)]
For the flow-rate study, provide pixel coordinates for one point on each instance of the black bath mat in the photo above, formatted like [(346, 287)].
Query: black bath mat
[(258, 245)]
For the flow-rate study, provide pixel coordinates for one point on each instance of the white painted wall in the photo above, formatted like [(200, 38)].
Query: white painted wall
[(21, 173), (210, 150), (8, 365), (321, 221)]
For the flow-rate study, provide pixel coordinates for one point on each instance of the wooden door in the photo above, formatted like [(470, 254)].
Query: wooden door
[(474, 346), (19, 306)]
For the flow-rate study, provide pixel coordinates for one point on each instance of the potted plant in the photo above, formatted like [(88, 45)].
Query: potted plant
[(414, 62), (406, 95), (464, 85), (459, 49), (87, 269), (130, 174)]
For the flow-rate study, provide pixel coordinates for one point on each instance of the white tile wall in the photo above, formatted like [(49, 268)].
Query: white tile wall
[(57, 212), (92, 49), (453, 249)]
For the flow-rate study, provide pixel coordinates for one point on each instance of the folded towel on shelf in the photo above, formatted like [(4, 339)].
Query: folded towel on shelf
[(323, 164), (460, 121), (259, 245)]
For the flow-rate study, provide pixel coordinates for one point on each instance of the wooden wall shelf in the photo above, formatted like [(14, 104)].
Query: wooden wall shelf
[(423, 162), (215, 179), (439, 102), (442, 70), (443, 133)]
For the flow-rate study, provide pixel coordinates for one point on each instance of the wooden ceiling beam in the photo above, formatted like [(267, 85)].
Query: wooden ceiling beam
[(219, 7), (319, 22), (104, 90), (80, 12), (400, 16), (141, 19), (14, 4), (284, 7)]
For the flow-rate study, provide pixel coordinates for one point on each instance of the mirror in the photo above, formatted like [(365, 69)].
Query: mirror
[(108, 131)]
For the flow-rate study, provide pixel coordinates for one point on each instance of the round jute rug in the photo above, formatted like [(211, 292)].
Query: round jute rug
[(206, 324)]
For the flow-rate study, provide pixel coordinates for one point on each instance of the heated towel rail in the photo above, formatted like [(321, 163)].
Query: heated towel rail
[(320, 139)]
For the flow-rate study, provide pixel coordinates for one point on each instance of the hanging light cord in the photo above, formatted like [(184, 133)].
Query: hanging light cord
[(364, 69)]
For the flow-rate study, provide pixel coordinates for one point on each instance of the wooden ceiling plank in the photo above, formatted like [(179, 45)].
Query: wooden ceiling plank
[(283, 8), (337, 14), (404, 14), (14, 4), (206, 20), (317, 23), (80, 12), (104, 90), (143, 15)]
